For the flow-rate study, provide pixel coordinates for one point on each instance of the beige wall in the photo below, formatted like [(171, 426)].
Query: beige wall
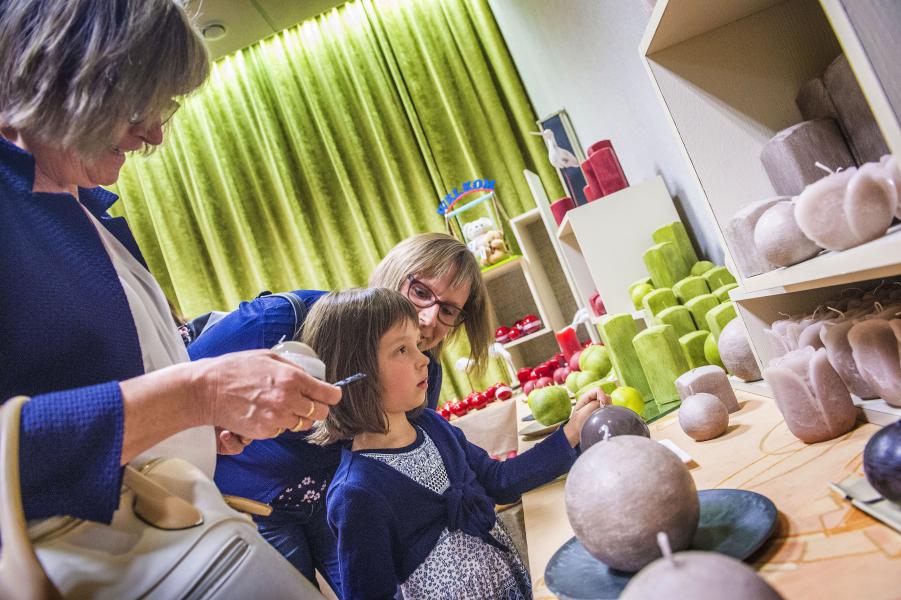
[(582, 55)]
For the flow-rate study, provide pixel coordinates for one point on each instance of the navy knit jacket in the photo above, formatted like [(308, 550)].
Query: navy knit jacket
[(66, 338), (266, 467), (387, 524)]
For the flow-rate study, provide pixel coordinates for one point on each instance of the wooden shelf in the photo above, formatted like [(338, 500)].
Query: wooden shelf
[(528, 338), (508, 264), (879, 258)]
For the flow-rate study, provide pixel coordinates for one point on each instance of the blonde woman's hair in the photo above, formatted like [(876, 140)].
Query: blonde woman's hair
[(434, 255), (73, 72), (345, 328)]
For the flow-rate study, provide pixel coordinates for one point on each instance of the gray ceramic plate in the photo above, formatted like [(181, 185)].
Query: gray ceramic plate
[(733, 522), (536, 429)]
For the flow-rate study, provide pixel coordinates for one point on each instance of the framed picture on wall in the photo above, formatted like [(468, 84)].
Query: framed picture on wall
[(572, 177)]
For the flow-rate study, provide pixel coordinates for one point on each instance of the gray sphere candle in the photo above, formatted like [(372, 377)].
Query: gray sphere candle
[(621, 492), (703, 417), (697, 575)]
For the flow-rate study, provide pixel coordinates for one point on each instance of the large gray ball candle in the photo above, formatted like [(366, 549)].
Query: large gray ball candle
[(698, 575), (779, 239), (703, 417), (735, 352), (621, 492)]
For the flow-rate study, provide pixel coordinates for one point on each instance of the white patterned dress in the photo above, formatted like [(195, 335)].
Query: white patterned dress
[(460, 566)]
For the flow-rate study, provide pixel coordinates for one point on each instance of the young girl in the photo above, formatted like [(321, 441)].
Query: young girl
[(412, 502)]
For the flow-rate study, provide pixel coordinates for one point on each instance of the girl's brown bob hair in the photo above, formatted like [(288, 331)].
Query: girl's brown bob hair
[(344, 328)]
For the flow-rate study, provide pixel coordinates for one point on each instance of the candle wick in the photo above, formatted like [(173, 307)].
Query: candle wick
[(840, 313), (606, 431), (878, 306), (663, 543), (820, 165), (782, 314)]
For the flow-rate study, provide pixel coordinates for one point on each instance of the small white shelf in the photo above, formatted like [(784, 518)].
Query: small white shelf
[(879, 258), (528, 338), (514, 262)]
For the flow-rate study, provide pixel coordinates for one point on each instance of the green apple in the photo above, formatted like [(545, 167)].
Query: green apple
[(639, 292), (628, 397), (586, 377), (572, 381), (607, 384), (712, 352), (595, 358), (550, 404), (701, 267)]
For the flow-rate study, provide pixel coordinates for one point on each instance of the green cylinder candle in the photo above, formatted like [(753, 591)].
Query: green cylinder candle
[(722, 292), (675, 232), (665, 265), (699, 305), (701, 267), (718, 317), (661, 358), (617, 332), (718, 276), (688, 288), (679, 317), (658, 300), (693, 348)]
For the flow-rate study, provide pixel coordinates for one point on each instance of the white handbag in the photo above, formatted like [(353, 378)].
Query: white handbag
[(173, 536)]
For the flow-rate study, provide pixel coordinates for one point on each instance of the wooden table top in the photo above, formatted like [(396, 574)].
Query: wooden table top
[(823, 548)]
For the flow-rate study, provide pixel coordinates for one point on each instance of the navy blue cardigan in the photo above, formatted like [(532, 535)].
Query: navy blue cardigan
[(266, 467), (66, 338), (387, 524)]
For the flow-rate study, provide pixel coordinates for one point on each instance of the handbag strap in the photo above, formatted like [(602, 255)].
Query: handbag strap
[(21, 574)]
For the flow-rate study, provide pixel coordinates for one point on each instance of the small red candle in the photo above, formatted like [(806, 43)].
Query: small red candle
[(568, 341)]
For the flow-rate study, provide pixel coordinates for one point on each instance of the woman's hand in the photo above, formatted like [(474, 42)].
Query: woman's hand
[(258, 394), (588, 402)]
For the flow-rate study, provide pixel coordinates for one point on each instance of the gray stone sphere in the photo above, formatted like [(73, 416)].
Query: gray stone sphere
[(698, 576), (619, 494), (703, 417)]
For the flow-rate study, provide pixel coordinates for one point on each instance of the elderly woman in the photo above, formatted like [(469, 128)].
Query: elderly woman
[(86, 329), (443, 281)]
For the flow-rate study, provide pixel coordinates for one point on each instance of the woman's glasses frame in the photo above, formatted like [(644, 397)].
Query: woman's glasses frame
[(422, 296)]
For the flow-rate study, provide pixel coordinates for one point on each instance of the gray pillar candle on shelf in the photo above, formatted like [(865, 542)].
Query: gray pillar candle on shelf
[(709, 379), (740, 233), (810, 395), (814, 101), (838, 351), (855, 116), (790, 157), (875, 347), (779, 239)]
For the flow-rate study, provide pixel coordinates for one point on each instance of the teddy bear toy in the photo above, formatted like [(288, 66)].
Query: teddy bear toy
[(485, 242)]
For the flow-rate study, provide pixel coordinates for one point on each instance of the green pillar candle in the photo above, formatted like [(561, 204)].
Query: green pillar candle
[(675, 233), (699, 305), (693, 348), (718, 317), (665, 265), (679, 317), (688, 288), (617, 332), (722, 292), (701, 267), (658, 300), (717, 277), (661, 358)]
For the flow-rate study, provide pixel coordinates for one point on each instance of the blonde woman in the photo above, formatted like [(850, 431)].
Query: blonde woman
[(444, 283), (87, 331)]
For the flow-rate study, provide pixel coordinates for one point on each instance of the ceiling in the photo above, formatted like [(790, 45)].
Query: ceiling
[(249, 21)]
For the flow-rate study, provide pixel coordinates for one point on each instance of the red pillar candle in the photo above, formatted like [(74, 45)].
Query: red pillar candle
[(559, 208), (568, 341)]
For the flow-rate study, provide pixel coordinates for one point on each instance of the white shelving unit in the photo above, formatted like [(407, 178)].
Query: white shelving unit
[(727, 74)]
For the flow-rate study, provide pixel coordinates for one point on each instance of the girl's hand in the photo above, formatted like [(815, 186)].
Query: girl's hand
[(257, 394), (588, 403), (228, 443)]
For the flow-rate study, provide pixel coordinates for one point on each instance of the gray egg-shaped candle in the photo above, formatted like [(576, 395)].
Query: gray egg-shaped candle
[(609, 421), (703, 417), (696, 575), (621, 492)]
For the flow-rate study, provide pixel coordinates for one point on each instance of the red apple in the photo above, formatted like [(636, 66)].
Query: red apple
[(504, 392), (479, 401), (524, 375), (502, 335), (574, 361), (457, 409), (528, 386), (543, 370), (489, 393), (544, 382), (444, 412), (560, 375)]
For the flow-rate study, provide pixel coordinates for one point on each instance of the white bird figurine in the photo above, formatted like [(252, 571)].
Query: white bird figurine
[(559, 157)]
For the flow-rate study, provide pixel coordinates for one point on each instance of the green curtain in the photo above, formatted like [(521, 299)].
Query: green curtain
[(309, 155)]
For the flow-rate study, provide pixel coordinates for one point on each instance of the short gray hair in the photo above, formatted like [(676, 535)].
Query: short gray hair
[(72, 72)]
